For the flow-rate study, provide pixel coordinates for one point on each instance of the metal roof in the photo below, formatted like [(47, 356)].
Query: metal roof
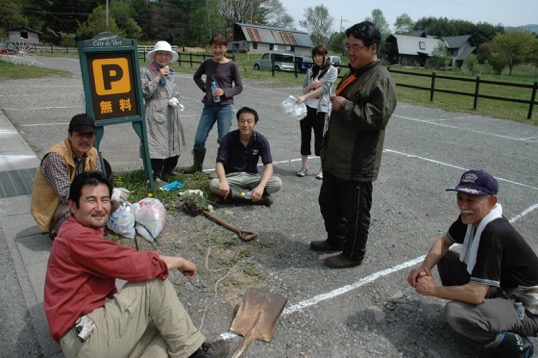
[(411, 45), (275, 35), (457, 41)]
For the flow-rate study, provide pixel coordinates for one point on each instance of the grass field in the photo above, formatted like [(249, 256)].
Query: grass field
[(523, 74)]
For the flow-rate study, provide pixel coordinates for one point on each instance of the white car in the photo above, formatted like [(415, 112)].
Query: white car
[(278, 61)]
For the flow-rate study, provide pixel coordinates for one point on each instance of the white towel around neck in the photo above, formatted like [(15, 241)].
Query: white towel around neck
[(469, 249)]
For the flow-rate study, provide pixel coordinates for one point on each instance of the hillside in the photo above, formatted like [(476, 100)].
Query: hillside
[(531, 28)]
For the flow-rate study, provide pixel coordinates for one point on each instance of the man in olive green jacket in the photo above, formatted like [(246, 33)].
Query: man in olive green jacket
[(351, 150)]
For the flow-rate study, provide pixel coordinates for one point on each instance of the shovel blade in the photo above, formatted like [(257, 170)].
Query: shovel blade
[(258, 314)]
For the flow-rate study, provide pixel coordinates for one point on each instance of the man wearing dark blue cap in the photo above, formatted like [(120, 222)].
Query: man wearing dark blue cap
[(492, 284)]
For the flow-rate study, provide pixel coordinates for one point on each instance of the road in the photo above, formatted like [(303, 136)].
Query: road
[(426, 150)]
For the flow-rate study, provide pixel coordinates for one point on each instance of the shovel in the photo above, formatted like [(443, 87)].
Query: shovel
[(257, 317), (243, 235)]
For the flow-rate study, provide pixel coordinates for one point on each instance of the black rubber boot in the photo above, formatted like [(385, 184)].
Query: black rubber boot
[(512, 345), (198, 156)]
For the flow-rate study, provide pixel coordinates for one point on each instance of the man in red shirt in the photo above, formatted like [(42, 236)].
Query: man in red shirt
[(86, 313)]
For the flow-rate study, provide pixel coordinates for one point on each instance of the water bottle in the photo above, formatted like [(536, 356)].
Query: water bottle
[(246, 194), (214, 87)]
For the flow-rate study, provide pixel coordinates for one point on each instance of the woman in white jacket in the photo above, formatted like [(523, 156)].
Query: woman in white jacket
[(317, 86)]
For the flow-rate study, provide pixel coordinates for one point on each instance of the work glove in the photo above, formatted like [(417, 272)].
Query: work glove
[(120, 194), (173, 102), (172, 186)]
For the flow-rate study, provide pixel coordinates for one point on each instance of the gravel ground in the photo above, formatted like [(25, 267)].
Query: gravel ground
[(360, 312)]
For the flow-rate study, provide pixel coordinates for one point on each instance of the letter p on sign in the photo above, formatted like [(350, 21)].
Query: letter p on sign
[(111, 76)]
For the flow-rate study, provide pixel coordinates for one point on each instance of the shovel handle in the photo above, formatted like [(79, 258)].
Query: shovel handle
[(243, 235), (248, 339)]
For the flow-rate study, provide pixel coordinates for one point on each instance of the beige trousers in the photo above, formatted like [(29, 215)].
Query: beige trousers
[(145, 319)]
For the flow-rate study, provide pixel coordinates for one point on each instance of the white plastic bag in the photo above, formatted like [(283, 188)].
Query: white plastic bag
[(122, 221), (150, 217), (296, 111)]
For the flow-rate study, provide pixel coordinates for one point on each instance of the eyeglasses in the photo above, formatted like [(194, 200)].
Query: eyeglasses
[(354, 48)]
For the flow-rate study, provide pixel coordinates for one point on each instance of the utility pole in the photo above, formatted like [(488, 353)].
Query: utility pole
[(341, 27), (106, 14)]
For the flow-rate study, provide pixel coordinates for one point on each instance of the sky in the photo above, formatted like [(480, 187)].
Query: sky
[(349, 12)]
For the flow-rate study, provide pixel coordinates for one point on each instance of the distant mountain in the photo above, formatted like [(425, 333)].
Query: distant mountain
[(530, 28)]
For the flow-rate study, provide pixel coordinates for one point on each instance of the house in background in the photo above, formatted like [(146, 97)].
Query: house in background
[(408, 50), (459, 48), (23, 35), (260, 39)]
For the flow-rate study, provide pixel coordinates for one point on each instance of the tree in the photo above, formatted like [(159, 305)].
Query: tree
[(60, 17), (533, 54), (381, 23), (491, 59), (10, 15), (471, 63), (318, 22), (258, 12), (512, 48), (404, 24), (165, 24), (96, 24), (440, 57), (337, 42), (123, 13)]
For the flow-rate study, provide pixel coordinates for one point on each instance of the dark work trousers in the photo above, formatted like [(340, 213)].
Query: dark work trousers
[(483, 323), (314, 120), (164, 166), (345, 206)]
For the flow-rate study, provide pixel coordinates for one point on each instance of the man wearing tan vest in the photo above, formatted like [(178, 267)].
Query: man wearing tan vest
[(59, 166)]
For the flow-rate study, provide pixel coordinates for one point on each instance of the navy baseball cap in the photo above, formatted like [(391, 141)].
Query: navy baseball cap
[(82, 123), (477, 182)]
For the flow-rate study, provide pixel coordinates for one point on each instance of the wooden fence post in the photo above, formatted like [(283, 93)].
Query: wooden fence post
[(533, 100), (432, 88), (476, 92)]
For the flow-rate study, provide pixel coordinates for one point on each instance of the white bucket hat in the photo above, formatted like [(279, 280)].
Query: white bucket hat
[(162, 46)]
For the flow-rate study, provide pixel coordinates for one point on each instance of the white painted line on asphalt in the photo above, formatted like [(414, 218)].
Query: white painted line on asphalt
[(363, 281), (339, 291), (524, 213), (45, 124), (453, 166), (39, 108), (459, 128)]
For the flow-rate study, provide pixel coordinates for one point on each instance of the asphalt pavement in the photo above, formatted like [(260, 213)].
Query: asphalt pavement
[(426, 150)]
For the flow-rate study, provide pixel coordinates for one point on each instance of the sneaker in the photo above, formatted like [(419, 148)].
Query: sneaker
[(302, 172), (222, 202), (159, 181), (325, 245), (218, 349), (341, 261), (512, 345), (319, 176)]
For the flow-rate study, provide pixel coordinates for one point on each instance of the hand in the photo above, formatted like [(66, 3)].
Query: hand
[(224, 189), (337, 102), (165, 71), (425, 285), (415, 274), (300, 100), (188, 269), (120, 194), (315, 85), (257, 193)]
